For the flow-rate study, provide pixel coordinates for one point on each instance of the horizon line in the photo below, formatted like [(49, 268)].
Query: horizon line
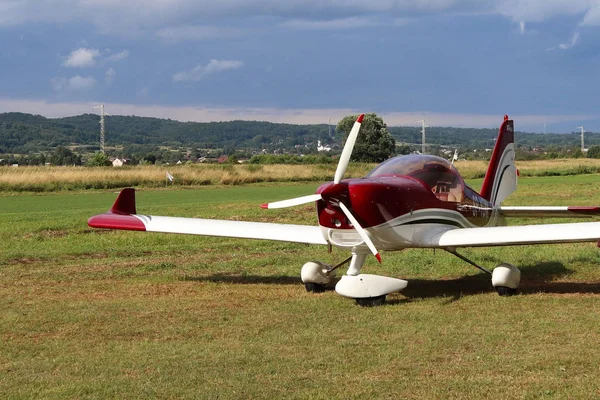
[(277, 115)]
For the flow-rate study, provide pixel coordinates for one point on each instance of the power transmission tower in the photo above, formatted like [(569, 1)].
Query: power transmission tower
[(423, 145), (102, 135), (582, 132)]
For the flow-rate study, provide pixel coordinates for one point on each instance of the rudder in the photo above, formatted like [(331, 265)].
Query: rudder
[(501, 176)]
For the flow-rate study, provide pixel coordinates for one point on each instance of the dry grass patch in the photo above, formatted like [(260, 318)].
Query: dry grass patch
[(43, 179)]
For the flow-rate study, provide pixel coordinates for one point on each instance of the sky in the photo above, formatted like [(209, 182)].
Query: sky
[(451, 62)]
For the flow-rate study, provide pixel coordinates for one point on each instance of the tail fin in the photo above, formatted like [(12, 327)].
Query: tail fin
[(501, 177)]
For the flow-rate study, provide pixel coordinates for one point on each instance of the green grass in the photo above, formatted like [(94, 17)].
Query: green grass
[(128, 315)]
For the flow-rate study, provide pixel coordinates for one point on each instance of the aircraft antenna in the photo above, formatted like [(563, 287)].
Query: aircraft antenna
[(423, 145), (582, 132), (102, 131)]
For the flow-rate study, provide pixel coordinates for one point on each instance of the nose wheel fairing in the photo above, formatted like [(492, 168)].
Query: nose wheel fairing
[(363, 286)]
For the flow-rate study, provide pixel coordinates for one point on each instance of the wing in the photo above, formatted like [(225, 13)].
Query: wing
[(123, 216), (551, 211), (511, 235)]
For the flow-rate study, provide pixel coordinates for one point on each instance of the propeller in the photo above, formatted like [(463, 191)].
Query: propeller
[(339, 172), (361, 231), (347, 151), (293, 202), (339, 175)]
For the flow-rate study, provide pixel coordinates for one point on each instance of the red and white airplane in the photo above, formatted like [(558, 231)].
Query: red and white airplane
[(411, 201)]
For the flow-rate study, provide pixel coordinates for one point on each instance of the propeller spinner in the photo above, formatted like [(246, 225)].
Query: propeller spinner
[(329, 193)]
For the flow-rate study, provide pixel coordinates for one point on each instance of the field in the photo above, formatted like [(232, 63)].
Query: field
[(128, 315), (49, 179)]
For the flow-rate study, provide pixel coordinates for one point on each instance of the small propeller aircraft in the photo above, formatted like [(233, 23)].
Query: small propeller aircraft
[(411, 201)]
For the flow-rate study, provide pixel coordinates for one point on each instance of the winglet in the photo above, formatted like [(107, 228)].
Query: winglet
[(378, 257), (360, 118), (125, 203), (265, 206)]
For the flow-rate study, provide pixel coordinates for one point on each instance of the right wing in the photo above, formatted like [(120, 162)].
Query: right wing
[(123, 216), (452, 237), (550, 211)]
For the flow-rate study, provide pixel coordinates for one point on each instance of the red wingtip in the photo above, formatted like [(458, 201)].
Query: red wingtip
[(506, 117), (378, 257), (360, 118), (264, 205)]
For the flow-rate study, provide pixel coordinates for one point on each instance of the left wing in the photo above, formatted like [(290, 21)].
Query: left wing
[(123, 216), (510, 235)]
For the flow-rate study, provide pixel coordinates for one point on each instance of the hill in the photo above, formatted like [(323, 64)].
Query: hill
[(26, 134)]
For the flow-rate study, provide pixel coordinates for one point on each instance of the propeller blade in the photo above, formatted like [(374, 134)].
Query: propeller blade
[(347, 152), (292, 202), (361, 231)]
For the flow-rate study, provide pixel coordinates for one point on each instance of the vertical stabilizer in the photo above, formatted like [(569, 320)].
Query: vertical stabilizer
[(501, 177)]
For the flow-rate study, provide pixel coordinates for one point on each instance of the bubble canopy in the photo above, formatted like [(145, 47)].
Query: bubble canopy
[(436, 173)]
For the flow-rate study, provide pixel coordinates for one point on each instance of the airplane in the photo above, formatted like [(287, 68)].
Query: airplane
[(409, 201)]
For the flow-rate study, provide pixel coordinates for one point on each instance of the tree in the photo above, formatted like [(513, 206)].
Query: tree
[(374, 142), (99, 159), (64, 156), (594, 152)]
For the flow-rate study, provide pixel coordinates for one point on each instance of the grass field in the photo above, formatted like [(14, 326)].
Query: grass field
[(89, 314)]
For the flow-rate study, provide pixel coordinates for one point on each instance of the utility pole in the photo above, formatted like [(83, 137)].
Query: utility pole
[(582, 132), (423, 126), (102, 137)]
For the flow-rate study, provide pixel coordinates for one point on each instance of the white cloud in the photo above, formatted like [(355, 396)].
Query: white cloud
[(343, 23), (197, 33), (75, 83), (200, 71), (81, 57), (539, 10), (118, 56), (109, 76), (79, 82), (573, 42), (567, 46), (138, 16), (522, 27), (592, 17)]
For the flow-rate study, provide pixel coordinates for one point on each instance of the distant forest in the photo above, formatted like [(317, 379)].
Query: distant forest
[(26, 134)]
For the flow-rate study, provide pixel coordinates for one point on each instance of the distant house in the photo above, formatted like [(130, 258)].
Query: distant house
[(222, 159), (321, 148), (118, 162)]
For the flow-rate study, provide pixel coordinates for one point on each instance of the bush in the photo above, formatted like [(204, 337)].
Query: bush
[(98, 160)]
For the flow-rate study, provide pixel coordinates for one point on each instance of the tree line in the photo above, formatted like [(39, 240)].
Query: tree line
[(29, 139)]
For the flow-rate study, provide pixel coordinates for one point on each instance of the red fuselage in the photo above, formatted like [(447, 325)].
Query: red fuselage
[(399, 187)]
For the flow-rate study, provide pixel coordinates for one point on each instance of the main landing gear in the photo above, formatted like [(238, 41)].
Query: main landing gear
[(368, 290), (371, 290), (505, 277)]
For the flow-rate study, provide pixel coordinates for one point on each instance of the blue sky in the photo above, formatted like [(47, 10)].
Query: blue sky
[(452, 62)]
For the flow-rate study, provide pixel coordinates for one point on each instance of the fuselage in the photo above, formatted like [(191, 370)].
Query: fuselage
[(401, 200)]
